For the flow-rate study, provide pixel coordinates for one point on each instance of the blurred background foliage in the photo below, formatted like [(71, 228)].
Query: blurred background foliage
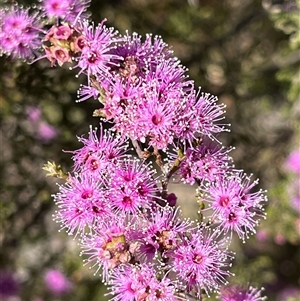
[(245, 52)]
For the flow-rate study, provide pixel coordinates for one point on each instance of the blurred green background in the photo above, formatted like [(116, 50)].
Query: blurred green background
[(245, 52)]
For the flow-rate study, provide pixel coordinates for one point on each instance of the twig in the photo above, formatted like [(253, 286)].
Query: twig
[(137, 148)]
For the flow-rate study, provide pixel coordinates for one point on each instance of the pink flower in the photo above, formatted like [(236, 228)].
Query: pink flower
[(61, 55), (57, 283), (236, 293), (46, 132), (107, 247), (96, 57), (205, 162), (86, 92), (293, 162), (100, 150), (161, 234), (201, 261), (130, 283), (209, 113), (65, 9), (262, 235), (133, 186), (82, 201), (19, 32), (62, 32), (234, 204), (33, 113), (43, 130)]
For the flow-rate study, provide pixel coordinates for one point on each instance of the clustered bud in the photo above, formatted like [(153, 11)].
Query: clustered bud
[(129, 224)]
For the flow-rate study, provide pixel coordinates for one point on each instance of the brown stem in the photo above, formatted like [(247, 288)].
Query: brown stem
[(169, 175), (159, 160), (190, 296), (137, 148)]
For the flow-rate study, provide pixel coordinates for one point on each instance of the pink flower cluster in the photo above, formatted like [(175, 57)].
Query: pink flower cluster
[(118, 206)]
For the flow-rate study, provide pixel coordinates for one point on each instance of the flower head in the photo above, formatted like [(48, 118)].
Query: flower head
[(67, 10), (139, 56), (19, 33), (96, 57), (208, 114), (81, 202), (155, 122), (148, 93), (235, 207), (201, 261), (204, 163), (132, 187), (108, 246), (99, 151), (130, 283), (161, 233)]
